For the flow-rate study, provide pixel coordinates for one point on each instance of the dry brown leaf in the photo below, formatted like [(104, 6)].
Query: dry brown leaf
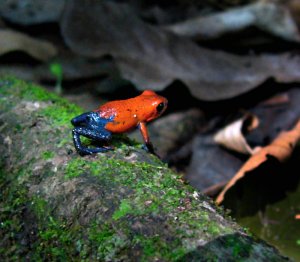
[(232, 136), (153, 58), (281, 148), (206, 167), (15, 41), (270, 17), (214, 189)]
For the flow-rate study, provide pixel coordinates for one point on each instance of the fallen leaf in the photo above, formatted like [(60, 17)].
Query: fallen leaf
[(281, 149), (273, 18), (29, 12), (208, 162), (153, 58), (233, 135), (214, 190), (15, 41), (274, 117)]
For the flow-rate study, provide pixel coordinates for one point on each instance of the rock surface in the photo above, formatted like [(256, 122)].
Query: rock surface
[(124, 205)]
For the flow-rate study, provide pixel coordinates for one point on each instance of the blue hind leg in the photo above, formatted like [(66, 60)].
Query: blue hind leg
[(92, 126), (92, 134)]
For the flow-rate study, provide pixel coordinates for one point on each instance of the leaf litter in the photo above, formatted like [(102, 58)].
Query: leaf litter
[(281, 148), (153, 58)]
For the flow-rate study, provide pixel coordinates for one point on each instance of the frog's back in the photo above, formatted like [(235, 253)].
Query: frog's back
[(124, 115), (127, 114)]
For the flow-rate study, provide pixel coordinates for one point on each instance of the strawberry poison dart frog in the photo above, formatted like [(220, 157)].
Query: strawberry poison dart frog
[(118, 117)]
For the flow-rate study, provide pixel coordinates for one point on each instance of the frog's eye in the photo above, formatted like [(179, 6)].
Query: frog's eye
[(160, 107)]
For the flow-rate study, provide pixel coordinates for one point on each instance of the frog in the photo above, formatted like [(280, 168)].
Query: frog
[(115, 117)]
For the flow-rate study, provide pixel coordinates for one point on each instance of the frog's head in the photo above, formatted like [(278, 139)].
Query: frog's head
[(153, 105)]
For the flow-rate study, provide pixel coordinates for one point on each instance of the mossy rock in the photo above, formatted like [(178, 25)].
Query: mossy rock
[(123, 205)]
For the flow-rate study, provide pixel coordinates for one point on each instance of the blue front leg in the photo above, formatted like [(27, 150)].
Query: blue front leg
[(92, 126)]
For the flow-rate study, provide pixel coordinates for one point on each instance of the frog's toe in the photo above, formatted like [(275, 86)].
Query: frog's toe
[(89, 151)]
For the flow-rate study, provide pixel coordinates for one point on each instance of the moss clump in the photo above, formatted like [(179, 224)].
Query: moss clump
[(11, 223), (124, 209), (59, 113), (55, 241), (47, 155), (155, 191), (107, 242), (154, 249), (45, 237), (239, 248), (79, 165), (28, 220), (28, 91)]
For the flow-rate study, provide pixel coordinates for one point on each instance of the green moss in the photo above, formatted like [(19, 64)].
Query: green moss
[(239, 248), (12, 86), (55, 239), (214, 229), (12, 203), (107, 242), (47, 238), (59, 111), (39, 206), (124, 209), (79, 165), (151, 183), (36, 93), (156, 190), (155, 185), (154, 248), (59, 114), (47, 155)]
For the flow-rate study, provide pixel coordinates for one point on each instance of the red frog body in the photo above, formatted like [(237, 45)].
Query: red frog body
[(118, 117)]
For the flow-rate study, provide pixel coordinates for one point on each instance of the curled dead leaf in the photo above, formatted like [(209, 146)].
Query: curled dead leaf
[(281, 148), (232, 136), (153, 58), (270, 17), (207, 163), (15, 41)]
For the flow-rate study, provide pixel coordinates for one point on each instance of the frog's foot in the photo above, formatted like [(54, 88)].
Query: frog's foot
[(83, 151), (149, 148)]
